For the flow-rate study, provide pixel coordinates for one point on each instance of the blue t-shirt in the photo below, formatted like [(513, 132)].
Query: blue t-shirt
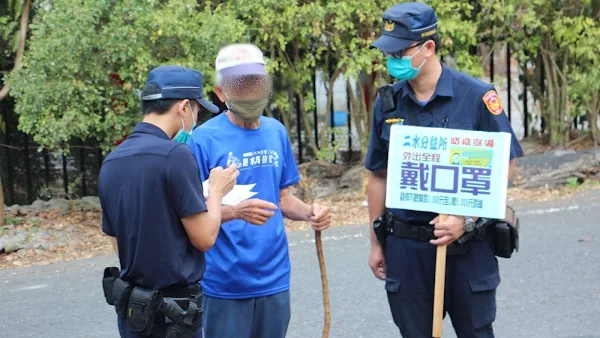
[(248, 260), (146, 186)]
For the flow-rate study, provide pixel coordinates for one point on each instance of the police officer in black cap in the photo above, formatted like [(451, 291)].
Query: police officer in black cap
[(155, 212), (430, 94)]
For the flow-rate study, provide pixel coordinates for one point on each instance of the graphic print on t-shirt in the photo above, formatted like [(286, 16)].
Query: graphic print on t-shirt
[(255, 159)]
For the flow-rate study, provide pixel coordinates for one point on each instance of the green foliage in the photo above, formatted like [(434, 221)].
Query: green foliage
[(87, 61), (572, 181)]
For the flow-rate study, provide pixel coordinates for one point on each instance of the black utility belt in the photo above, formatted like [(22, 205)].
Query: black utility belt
[(141, 308), (423, 233), (504, 233)]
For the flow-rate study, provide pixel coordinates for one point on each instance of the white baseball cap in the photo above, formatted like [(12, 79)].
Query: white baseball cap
[(240, 59)]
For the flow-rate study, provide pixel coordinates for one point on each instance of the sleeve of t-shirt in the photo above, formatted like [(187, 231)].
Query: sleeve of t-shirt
[(107, 227), (183, 182), (201, 158), (494, 119), (289, 174), (377, 152)]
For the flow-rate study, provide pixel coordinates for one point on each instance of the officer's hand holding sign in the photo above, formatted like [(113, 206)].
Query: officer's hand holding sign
[(441, 152), (447, 231)]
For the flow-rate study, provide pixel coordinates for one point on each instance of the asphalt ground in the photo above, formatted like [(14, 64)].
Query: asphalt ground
[(550, 288)]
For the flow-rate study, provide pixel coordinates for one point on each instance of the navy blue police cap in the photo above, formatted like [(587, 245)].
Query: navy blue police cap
[(404, 24), (176, 82)]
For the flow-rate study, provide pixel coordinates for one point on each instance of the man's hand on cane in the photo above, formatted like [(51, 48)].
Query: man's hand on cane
[(320, 218)]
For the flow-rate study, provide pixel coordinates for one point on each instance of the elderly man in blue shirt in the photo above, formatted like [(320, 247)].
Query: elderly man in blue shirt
[(247, 278)]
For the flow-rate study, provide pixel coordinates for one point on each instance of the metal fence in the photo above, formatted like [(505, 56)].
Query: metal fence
[(29, 174)]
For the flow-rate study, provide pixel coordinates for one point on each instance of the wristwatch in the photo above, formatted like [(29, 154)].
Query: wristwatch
[(469, 224)]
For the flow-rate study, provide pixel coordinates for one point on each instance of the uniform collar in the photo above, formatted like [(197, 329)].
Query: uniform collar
[(149, 128), (445, 85)]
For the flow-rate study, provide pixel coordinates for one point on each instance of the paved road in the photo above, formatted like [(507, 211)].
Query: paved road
[(550, 289)]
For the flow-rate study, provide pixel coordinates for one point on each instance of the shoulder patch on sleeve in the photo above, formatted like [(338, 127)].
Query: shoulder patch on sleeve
[(492, 102)]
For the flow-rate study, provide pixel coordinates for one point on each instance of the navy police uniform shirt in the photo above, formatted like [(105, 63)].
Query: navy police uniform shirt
[(459, 102), (146, 185)]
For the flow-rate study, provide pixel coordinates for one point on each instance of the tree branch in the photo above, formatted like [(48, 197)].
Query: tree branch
[(21, 49)]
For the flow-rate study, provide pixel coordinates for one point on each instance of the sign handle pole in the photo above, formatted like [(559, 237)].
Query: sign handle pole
[(324, 282), (440, 278)]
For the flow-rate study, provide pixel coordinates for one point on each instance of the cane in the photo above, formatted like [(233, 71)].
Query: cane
[(440, 278), (324, 283)]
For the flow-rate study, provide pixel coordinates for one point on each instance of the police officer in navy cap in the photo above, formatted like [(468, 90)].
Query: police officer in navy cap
[(154, 210), (430, 94)]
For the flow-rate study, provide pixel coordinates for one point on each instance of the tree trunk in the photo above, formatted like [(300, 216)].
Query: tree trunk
[(308, 127), (593, 109), (328, 111), (567, 121), (1, 203), (553, 101), (21, 49)]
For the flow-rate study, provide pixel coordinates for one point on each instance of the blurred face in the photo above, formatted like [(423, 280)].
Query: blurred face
[(246, 95)]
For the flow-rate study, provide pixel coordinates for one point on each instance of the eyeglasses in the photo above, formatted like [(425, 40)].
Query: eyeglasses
[(400, 54)]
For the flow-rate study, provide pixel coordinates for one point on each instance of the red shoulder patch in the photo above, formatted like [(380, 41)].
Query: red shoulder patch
[(492, 102)]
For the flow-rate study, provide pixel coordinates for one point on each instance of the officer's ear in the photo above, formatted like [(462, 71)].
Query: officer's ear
[(430, 48), (182, 106)]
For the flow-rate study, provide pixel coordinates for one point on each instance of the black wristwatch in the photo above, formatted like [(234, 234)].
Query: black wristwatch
[(469, 224)]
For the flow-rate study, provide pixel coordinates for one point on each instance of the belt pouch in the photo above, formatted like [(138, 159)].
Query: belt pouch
[(143, 307), (503, 240), (110, 275), (120, 294)]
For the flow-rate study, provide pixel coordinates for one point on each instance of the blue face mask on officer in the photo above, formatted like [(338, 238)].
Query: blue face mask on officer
[(401, 68), (182, 135)]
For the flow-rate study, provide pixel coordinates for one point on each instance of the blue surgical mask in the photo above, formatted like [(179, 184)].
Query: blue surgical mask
[(182, 135), (402, 69)]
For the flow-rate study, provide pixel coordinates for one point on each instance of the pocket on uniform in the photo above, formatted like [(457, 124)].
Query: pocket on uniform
[(483, 300), (392, 285), (385, 131), (485, 283)]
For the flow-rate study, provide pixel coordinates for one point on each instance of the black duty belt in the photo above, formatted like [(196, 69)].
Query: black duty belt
[(423, 233)]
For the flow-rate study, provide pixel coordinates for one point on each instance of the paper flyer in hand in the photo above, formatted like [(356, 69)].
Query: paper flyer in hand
[(240, 192)]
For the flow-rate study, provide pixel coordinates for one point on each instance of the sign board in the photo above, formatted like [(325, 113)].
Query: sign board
[(448, 171)]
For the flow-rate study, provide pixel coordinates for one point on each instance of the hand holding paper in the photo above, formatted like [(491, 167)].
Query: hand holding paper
[(240, 192)]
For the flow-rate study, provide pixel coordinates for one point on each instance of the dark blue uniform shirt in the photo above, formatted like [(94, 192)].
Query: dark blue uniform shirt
[(457, 103), (146, 185)]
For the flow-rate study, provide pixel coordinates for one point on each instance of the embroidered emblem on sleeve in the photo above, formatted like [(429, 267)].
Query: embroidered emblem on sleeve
[(492, 102)]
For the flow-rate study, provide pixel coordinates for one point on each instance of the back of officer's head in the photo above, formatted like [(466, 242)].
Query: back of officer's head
[(172, 97), (161, 106)]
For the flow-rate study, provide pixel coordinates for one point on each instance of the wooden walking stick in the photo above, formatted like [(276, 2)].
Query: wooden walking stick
[(324, 283), (440, 278)]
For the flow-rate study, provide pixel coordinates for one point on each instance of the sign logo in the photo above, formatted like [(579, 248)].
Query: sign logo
[(388, 25)]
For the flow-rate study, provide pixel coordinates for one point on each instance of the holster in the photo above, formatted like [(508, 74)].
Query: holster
[(140, 308), (381, 228), (116, 290), (506, 234)]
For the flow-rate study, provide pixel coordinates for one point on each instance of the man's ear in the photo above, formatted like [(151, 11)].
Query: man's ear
[(219, 93)]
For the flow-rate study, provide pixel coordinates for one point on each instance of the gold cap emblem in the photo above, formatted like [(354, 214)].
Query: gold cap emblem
[(388, 26)]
